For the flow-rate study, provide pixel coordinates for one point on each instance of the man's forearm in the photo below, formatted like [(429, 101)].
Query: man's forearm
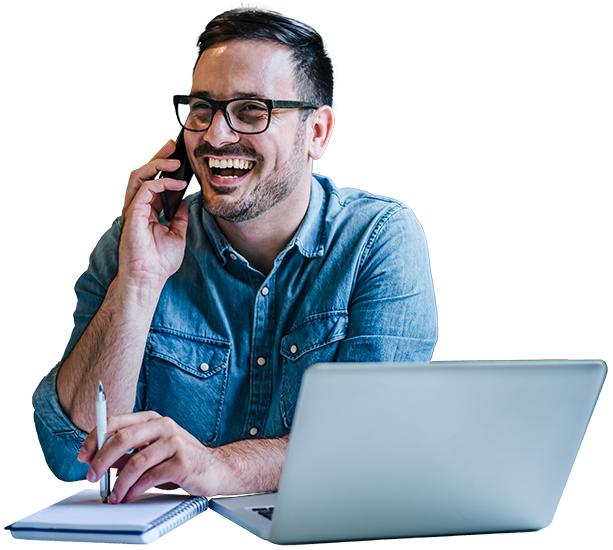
[(111, 349), (252, 466)]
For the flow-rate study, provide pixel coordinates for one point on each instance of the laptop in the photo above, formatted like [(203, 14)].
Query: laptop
[(412, 450)]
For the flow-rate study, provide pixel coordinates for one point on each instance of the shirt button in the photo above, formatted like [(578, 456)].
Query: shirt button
[(294, 348), (204, 367), (253, 431), (233, 256), (261, 361), (265, 291)]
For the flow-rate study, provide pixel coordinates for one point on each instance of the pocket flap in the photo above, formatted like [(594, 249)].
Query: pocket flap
[(314, 332), (201, 357)]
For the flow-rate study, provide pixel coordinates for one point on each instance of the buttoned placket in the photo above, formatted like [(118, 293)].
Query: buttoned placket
[(262, 337)]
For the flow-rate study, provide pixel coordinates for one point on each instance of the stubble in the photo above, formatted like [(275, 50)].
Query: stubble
[(266, 193)]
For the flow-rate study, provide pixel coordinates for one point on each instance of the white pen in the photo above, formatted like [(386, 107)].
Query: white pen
[(101, 436)]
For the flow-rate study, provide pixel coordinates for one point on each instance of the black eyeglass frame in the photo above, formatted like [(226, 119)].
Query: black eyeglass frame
[(223, 106)]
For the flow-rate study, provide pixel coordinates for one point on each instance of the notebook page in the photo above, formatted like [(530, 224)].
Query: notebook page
[(85, 511)]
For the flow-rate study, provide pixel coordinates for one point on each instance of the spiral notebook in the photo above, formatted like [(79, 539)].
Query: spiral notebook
[(83, 518)]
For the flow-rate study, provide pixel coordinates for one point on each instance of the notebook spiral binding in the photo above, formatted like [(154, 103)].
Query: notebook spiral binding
[(180, 514)]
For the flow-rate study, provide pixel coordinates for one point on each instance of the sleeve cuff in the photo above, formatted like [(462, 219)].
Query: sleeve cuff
[(59, 438)]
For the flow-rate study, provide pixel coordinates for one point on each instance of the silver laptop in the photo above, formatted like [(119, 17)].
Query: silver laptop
[(407, 450)]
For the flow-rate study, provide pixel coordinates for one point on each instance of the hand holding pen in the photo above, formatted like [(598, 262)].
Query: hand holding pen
[(101, 437)]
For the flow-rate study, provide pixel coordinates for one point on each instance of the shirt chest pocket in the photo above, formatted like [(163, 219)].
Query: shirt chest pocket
[(314, 340), (186, 379)]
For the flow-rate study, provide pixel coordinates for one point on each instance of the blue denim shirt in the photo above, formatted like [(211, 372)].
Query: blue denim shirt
[(228, 345)]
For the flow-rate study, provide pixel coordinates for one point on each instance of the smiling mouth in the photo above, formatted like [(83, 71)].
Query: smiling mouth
[(229, 168)]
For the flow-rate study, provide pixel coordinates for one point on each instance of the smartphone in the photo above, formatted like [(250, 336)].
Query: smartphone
[(172, 199)]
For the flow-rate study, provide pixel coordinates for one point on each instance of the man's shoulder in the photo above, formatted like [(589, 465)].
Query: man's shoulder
[(349, 202)]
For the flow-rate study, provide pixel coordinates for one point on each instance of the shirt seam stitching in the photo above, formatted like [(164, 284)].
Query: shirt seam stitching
[(393, 210)]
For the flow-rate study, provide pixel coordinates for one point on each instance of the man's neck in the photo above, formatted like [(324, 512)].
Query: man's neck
[(260, 240)]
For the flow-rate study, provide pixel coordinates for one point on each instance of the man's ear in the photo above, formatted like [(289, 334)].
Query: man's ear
[(320, 124)]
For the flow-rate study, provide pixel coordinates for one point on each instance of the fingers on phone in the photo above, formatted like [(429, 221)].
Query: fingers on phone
[(150, 171), (178, 225), (165, 151), (150, 187), (163, 165), (157, 186)]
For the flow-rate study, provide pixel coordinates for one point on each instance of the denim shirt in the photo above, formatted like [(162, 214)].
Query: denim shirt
[(227, 345)]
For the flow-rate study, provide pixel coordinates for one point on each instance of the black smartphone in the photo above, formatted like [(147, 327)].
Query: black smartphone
[(172, 199)]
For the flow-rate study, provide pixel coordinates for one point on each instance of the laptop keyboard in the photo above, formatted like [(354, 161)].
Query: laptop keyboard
[(266, 512)]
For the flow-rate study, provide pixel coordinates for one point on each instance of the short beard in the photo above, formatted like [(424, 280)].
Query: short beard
[(265, 194)]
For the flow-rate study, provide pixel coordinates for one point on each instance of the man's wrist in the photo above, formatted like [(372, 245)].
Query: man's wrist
[(137, 292), (249, 466)]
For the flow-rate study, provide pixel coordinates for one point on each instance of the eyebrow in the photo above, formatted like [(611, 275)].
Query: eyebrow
[(237, 95)]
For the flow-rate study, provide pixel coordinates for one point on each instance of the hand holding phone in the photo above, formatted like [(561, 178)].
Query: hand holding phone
[(172, 199)]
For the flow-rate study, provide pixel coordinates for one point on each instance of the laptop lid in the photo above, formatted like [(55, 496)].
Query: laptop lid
[(401, 450)]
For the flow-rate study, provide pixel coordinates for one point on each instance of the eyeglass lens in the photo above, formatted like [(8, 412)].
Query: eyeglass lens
[(246, 115)]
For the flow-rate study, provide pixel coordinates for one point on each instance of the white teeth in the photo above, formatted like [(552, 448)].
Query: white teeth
[(230, 163)]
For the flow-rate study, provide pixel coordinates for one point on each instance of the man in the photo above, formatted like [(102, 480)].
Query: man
[(201, 328)]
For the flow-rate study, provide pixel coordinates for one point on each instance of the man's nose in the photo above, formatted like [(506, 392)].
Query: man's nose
[(219, 132)]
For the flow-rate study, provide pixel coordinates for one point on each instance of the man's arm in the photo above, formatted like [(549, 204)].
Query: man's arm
[(110, 349), (168, 454), (252, 466), (112, 346)]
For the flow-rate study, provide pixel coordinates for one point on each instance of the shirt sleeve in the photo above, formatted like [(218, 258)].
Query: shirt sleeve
[(392, 312), (59, 438)]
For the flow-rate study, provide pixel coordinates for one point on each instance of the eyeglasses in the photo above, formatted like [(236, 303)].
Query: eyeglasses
[(244, 115)]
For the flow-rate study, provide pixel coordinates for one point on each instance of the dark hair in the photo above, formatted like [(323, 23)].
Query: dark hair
[(313, 67)]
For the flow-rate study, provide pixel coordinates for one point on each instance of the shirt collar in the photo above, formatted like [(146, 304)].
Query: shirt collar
[(219, 243), (309, 239), (311, 235)]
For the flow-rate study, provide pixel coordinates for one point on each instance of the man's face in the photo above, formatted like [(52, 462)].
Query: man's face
[(278, 156)]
